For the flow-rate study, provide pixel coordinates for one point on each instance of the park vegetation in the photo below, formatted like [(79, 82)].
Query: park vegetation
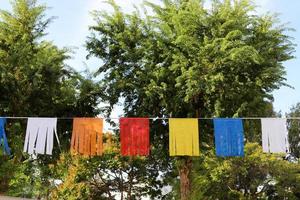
[(175, 59)]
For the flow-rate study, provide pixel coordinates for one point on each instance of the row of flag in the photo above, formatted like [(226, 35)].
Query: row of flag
[(135, 136)]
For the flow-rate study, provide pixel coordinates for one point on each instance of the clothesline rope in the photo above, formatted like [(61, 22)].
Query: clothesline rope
[(161, 118), (228, 132)]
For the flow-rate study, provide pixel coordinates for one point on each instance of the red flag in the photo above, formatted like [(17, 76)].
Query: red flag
[(134, 134)]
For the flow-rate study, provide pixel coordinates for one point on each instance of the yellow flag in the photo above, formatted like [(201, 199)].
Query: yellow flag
[(183, 137)]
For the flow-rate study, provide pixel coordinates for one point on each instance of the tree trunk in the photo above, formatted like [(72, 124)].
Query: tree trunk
[(185, 168)]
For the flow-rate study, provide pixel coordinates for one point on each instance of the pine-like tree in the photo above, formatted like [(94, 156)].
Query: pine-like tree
[(185, 60)]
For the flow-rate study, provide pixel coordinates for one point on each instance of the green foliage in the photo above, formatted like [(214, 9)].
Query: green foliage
[(31, 68), (256, 176), (110, 176), (184, 60), (294, 131), (223, 61), (73, 171), (179, 60), (28, 180), (6, 169), (34, 81)]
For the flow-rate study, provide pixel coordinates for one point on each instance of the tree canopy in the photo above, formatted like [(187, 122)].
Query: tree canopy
[(181, 59), (35, 81)]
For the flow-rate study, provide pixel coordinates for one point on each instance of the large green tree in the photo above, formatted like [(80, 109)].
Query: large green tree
[(35, 81), (257, 176), (182, 59)]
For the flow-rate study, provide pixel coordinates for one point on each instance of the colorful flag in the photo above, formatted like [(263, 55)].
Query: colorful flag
[(183, 137), (87, 136), (229, 137), (274, 135), (3, 139), (134, 134), (39, 135)]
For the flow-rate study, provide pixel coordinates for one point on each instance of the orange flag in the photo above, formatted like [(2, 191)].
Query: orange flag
[(87, 136)]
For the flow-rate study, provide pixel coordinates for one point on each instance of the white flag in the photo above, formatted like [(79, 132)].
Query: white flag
[(39, 135), (274, 135)]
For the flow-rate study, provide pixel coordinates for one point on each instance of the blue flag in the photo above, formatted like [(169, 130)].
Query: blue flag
[(229, 137), (3, 139)]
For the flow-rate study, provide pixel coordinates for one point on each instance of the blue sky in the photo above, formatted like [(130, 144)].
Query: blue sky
[(73, 18)]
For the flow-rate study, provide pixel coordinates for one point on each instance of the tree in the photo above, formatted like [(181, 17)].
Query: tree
[(34, 81), (185, 60), (294, 131), (256, 176), (111, 176)]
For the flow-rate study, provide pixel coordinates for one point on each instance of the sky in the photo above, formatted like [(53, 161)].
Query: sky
[(70, 29)]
